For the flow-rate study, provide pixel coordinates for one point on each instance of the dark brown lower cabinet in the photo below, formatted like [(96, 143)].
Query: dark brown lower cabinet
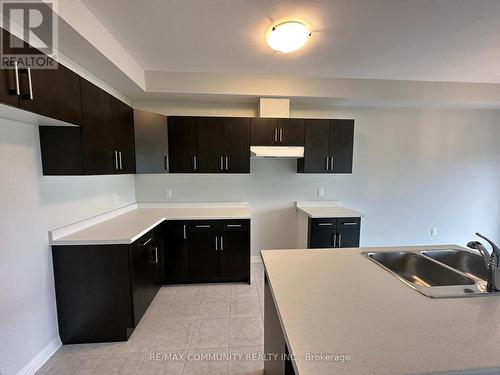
[(102, 291), (207, 251), (175, 252), (279, 362), (334, 232)]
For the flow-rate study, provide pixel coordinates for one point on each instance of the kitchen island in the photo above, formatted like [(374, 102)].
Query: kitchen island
[(340, 313)]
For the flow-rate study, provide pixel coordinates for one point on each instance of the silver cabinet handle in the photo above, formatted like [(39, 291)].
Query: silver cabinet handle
[(202, 226), (116, 160), (275, 135), (221, 243), (335, 240), (156, 254), (166, 163), (184, 231), (331, 163), (148, 241), (340, 239), (327, 163), (227, 163), (350, 223), (195, 164), (120, 155), (216, 244), (281, 135), (325, 224), (233, 225), (222, 163), (18, 90), (30, 84)]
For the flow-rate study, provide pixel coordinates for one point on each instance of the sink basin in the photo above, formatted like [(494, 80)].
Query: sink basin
[(436, 273), (466, 262), (419, 270)]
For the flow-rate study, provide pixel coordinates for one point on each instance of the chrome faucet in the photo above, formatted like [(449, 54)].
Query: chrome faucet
[(492, 262)]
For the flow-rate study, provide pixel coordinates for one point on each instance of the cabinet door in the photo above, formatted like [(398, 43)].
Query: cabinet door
[(264, 132), (203, 242), (341, 145), (175, 253), (234, 246), (144, 268), (55, 93), (123, 136), (347, 237), (317, 146), (322, 233), (291, 132), (210, 145), (8, 94), (322, 238), (97, 130), (237, 142), (182, 144), (61, 149), (150, 131)]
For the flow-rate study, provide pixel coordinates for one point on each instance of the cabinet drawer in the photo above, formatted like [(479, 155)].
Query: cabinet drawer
[(231, 225), (147, 240), (202, 225), (349, 223), (326, 224)]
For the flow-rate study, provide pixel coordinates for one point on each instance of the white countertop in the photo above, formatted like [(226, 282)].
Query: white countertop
[(128, 227), (338, 301), (325, 210)]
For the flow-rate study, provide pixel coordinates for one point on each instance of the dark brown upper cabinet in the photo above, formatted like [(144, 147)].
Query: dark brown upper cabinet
[(182, 144), (237, 145), (209, 145), (123, 136), (151, 149), (53, 93), (328, 147), (277, 132), (97, 130), (10, 90), (103, 144), (211, 153)]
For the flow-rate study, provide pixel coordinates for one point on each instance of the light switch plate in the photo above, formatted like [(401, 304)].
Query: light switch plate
[(168, 193), (116, 200), (434, 231), (321, 192)]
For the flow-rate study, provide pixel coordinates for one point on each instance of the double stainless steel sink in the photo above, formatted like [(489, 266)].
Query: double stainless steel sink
[(437, 273)]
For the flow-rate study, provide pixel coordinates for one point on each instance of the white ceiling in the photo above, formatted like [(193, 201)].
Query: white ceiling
[(429, 40)]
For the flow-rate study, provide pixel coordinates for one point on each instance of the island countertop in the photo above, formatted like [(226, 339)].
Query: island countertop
[(336, 301)]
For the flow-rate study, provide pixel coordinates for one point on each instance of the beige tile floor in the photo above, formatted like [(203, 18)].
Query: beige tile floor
[(182, 326)]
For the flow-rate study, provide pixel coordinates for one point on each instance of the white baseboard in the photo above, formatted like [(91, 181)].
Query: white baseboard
[(38, 361), (255, 259)]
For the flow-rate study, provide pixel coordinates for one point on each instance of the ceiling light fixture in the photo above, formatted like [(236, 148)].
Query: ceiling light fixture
[(288, 36)]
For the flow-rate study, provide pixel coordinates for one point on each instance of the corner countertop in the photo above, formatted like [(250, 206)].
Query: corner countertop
[(125, 228), (340, 302), (325, 209)]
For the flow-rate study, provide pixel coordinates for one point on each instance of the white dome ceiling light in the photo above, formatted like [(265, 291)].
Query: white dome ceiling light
[(288, 36)]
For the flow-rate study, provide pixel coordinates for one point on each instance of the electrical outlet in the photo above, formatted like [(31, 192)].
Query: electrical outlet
[(168, 193), (434, 231), (116, 200), (321, 192)]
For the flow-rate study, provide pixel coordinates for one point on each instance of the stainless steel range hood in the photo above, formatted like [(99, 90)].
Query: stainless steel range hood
[(277, 108), (277, 152)]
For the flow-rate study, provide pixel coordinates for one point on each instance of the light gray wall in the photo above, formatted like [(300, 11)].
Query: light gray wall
[(31, 205), (413, 170)]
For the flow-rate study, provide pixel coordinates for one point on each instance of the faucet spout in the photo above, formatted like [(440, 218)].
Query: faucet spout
[(494, 248)]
